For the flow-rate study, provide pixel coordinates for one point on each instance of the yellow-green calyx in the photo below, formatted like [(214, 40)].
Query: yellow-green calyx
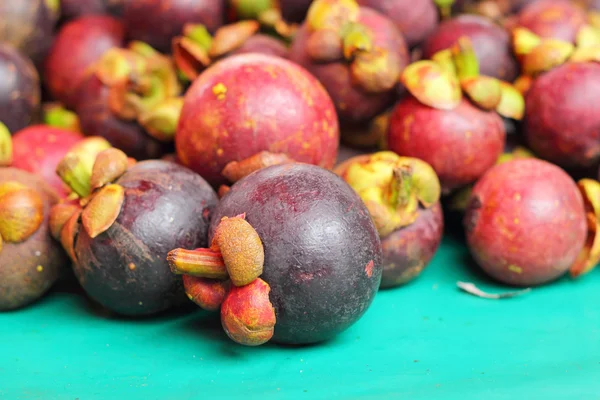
[(100, 199), (251, 9), (445, 7), (393, 188), (590, 255), (441, 82), (139, 80), (538, 55), (335, 34), (5, 146), (55, 114), (21, 212)]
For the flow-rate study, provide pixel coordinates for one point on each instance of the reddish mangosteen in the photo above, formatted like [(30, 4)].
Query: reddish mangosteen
[(252, 103), (196, 49), (39, 148), (130, 218), (561, 121), (491, 42), (558, 19), (131, 98), (461, 137), (301, 253), (28, 26), (157, 22), (20, 89), (357, 54), (415, 19), (70, 9), (561, 85), (30, 260), (78, 45), (525, 222), (403, 197)]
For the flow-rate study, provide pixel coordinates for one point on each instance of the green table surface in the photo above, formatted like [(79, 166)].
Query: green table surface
[(427, 340)]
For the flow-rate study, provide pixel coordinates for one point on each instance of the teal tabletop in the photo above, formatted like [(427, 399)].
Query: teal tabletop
[(427, 340)]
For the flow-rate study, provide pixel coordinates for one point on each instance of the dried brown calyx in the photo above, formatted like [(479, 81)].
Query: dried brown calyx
[(442, 81), (538, 55), (99, 199), (236, 170), (393, 188), (55, 114), (337, 35), (226, 276), (143, 87), (21, 212)]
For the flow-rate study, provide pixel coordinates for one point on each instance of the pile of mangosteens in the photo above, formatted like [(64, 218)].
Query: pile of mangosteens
[(279, 162)]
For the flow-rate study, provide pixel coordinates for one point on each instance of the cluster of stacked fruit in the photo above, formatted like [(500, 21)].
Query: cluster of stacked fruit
[(172, 148)]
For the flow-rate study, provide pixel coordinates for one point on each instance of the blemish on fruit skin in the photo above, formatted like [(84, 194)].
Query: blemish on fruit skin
[(51, 138), (369, 268), (220, 152), (408, 121), (517, 197), (131, 266), (39, 268), (515, 268), (220, 90), (516, 221)]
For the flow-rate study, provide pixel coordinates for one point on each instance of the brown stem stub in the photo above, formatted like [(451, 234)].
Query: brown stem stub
[(201, 263), (236, 170)]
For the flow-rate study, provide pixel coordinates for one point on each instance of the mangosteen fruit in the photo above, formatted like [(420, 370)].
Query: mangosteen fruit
[(356, 52), (416, 20), (79, 44), (526, 222), (253, 103), (157, 22), (461, 137), (557, 19), (19, 89), (491, 42), (130, 217), (131, 97), (70, 9), (297, 251), (29, 26), (402, 195), (30, 260), (196, 49)]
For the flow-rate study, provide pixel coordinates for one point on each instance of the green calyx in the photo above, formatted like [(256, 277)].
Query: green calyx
[(441, 82), (393, 187), (5, 146), (55, 114), (251, 9), (445, 7), (139, 79)]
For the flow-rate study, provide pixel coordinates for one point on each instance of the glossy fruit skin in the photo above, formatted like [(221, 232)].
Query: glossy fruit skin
[(166, 206), (263, 44), (415, 19), (97, 119), (250, 103), (491, 43), (561, 118), (157, 22), (21, 281), (407, 251), (79, 44), (559, 19), (322, 251), (39, 148), (353, 104), (294, 10), (28, 26), (70, 9), (460, 144), (525, 222), (19, 90)]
